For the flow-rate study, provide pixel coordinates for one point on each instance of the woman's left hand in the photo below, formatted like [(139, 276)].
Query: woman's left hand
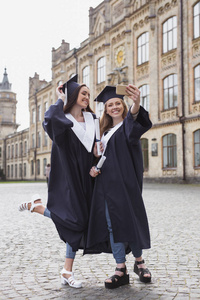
[(95, 149), (94, 172), (134, 94)]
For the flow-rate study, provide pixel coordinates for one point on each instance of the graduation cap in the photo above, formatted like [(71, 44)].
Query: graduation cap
[(108, 93), (69, 87)]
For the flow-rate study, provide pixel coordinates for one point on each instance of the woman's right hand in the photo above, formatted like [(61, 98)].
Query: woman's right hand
[(59, 93)]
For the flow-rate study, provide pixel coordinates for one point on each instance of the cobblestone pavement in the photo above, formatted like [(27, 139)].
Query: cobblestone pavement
[(32, 254)]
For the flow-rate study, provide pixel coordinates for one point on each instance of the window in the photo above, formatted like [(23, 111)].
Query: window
[(8, 152), (33, 140), (12, 151), (8, 171), (197, 83), (33, 116), (44, 166), (144, 96), (99, 109), (16, 150), (16, 171), (39, 140), (11, 171), (196, 20), (24, 169), (38, 167), (20, 170), (45, 106), (170, 34), (169, 151), (86, 76), (101, 70), (197, 148), (45, 138), (20, 149), (25, 147), (170, 91), (39, 113), (32, 167), (145, 153), (143, 48)]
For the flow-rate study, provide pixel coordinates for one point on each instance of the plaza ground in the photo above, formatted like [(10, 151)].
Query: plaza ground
[(32, 254)]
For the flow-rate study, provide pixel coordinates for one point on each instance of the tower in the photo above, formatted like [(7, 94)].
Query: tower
[(8, 104)]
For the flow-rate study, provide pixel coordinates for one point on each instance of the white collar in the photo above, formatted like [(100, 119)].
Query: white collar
[(86, 137), (105, 138)]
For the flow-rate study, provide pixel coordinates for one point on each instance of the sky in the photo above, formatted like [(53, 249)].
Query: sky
[(29, 29)]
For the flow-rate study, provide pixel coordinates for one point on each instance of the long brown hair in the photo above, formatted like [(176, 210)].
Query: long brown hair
[(106, 121), (71, 101)]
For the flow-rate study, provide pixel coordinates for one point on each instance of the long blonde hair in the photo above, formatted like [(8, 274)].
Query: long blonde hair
[(106, 121)]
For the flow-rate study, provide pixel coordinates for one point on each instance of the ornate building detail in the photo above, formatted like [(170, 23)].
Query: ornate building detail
[(196, 48), (118, 9), (141, 23), (169, 115), (169, 60), (196, 108), (167, 7), (169, 173), (71, 67), (119, 75), (142, 71), (118, 38), (120, 56)]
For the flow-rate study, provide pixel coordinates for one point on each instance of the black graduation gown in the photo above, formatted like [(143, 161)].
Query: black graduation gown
[(70, 185), (120, 185)]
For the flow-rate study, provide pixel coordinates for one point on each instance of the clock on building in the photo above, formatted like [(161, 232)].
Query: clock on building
[(120, 56)]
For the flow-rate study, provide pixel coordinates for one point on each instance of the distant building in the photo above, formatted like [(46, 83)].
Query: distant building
[(156, 46)]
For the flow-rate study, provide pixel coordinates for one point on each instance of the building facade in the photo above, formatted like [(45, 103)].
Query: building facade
[(154, 44)]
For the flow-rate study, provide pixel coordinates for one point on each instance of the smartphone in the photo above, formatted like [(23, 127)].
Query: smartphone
[(63, 88), (121, 89)]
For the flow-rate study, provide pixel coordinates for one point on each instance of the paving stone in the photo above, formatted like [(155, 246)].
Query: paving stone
[(32, 254)]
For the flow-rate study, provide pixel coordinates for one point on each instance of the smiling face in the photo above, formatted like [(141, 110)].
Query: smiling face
[(115, 108), (83, 97)]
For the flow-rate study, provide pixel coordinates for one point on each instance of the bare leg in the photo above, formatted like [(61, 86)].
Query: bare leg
[(142, 266), (117, 272), (68, 266)]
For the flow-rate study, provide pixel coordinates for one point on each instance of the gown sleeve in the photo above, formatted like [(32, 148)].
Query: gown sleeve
[(134, 129), (55, 123)]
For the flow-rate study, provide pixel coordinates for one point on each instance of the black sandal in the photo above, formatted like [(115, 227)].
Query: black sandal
[(141, 272), (117, 280)]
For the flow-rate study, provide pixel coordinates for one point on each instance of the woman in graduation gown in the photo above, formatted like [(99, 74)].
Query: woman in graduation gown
[(117, 212), (72, 130)]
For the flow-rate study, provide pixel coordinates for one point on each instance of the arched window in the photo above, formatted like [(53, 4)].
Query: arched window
[(196, 20), (169, 151), (86, 76), (144, 96), (145, 153), (197, 148), (170, 34), (101, 70), (197, 83), (143, 48), (38, 167), (170, 91)]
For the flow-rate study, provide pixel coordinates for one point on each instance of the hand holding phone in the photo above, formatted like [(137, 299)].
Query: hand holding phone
[(121, 89)]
